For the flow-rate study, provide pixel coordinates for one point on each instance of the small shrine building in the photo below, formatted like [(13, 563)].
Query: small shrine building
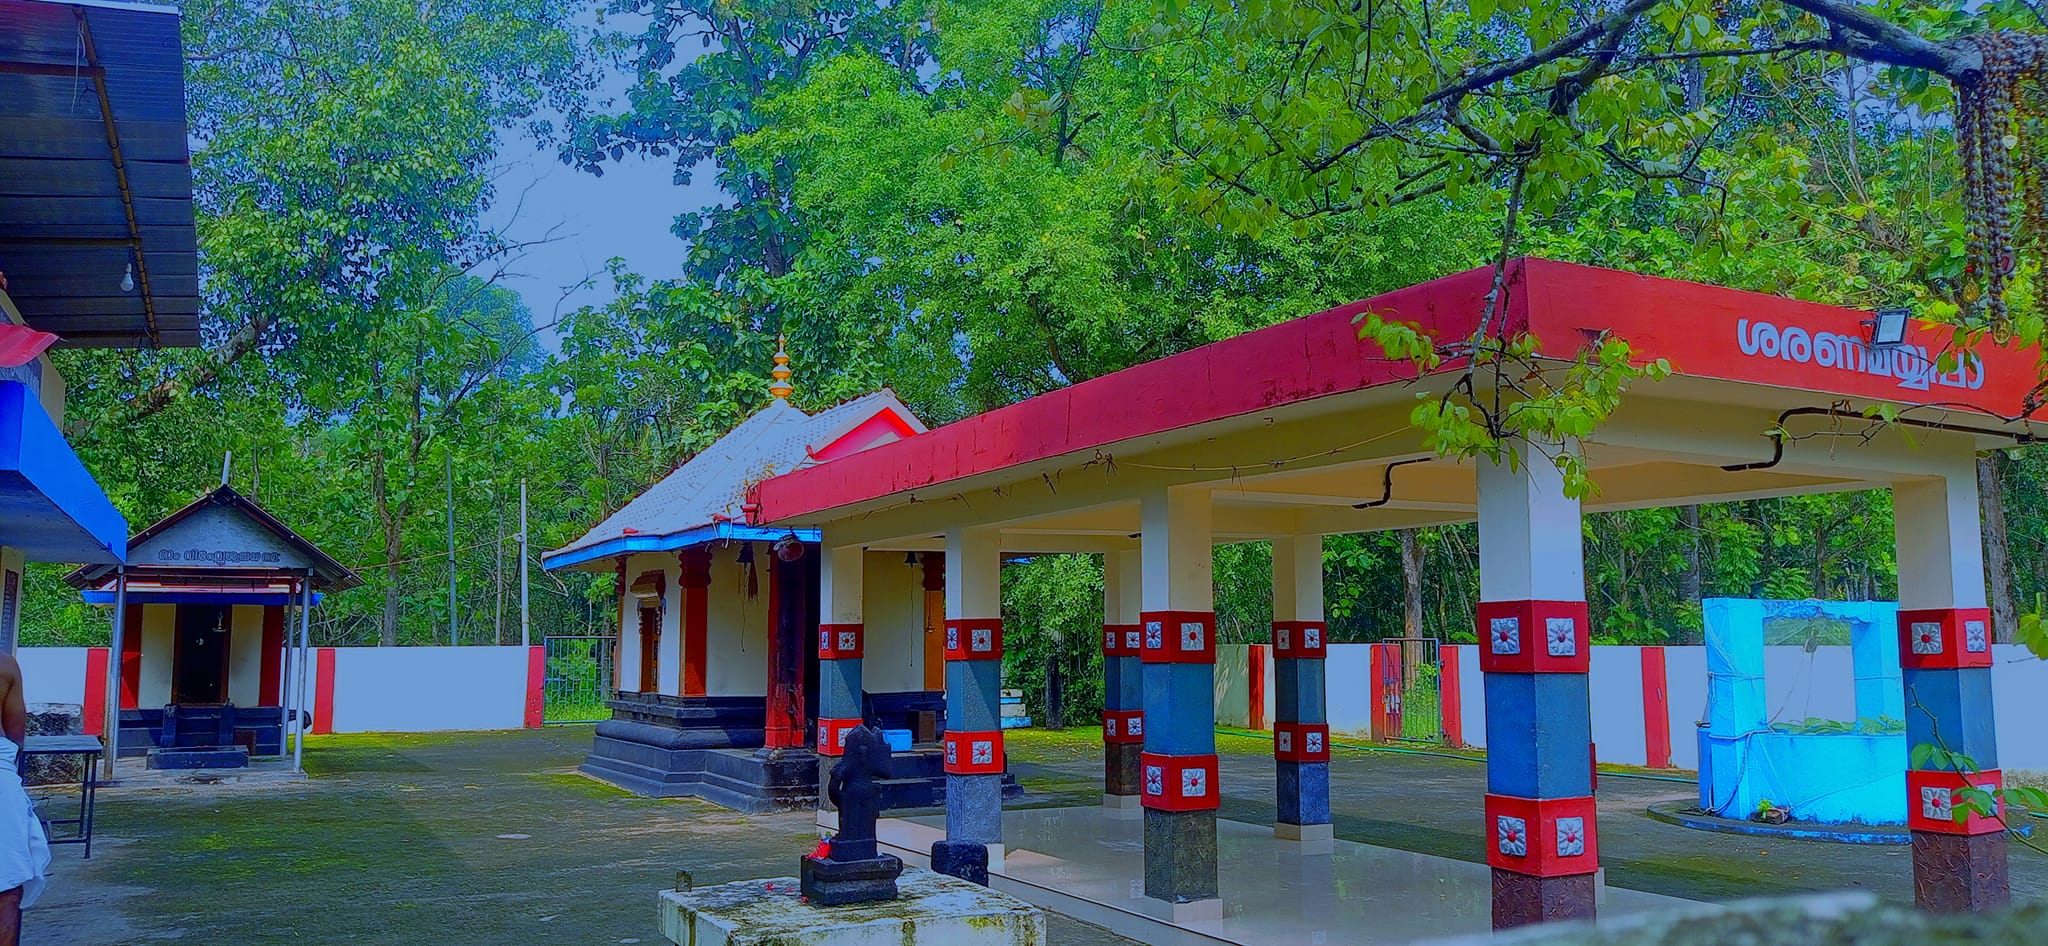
[(717, 689), (212, 618)]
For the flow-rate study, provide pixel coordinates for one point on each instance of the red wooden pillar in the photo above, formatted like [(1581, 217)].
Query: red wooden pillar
[(95, 691), (696, 578), (1449, 697), (273, 655), (1656, 711), (785, 699), (131, 657)]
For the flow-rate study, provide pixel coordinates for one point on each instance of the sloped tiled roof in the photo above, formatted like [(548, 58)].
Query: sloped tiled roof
[(710, 487)]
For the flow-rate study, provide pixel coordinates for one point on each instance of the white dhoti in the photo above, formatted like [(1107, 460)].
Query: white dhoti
[(24, 848)]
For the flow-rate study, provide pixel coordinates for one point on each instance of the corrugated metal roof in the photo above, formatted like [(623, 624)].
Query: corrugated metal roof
[(713, 484), (66, 238)]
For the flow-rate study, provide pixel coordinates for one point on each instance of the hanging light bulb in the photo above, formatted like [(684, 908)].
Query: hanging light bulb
[(128, 278)]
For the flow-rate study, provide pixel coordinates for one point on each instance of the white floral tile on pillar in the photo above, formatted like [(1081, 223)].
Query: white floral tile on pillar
[(1155, 780), (1155, 635), (1109, 726), (1313, 743), (1194, 783), (952, 753), (1283, 639), (1937, 803), (1561, 636), (1506, 635), (1131, 640), (1973, 637), (848, 640), (1108, 640), (1190, 636), (1926, 637), (952, 638), (1571, 837), (1513, 835), (1135, 726), (982, 640), (1311, 637), (824, 640), (984, 752), (1284, 741)]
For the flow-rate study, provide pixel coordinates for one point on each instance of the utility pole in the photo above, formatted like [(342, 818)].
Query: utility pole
[(524, 633), (452, 638)]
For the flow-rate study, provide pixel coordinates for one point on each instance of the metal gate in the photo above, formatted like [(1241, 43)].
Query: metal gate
[(578, 680), (1407, 680)]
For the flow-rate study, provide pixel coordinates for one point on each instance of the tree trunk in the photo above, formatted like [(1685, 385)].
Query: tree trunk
[(1411, 583), (1997, 544), (387, 524), (1055, 687), (1691, 582)]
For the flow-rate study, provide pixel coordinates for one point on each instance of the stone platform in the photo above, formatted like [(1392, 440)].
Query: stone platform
[(934, 910), (1088, 863)]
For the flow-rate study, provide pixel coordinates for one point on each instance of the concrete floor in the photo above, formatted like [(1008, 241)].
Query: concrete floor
[(473, 839)]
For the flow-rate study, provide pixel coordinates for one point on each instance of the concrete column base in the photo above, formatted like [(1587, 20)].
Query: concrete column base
[(1122, 802), (1958, 873), (1522, 899), (1289, 831), (1193, 911), (828, 819)]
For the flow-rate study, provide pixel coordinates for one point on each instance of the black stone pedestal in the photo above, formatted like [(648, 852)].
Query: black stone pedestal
[(1522, 899), (1180, 855), (1120, 768), (966, 860), (831, 883), (1957, 873)]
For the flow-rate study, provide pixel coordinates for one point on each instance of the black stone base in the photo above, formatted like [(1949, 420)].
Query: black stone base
[(1180, 855), (1522, 899), (1958, 873), (648, 761), (837, 883), (966, 860), (1120, 768), (259, 729), (208, 757)]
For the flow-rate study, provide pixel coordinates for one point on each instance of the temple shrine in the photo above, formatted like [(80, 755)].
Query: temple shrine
[(212, 618), (725, 678)]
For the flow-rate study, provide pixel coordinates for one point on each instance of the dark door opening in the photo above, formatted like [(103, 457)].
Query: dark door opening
[(650, 649), (199, 661)]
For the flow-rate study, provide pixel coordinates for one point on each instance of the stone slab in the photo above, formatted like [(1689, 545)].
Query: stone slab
[(933, 909)]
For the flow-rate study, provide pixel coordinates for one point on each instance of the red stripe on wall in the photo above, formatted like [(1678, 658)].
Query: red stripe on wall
[(1383, 726), (1656, 711), (1448, 692), (536, 676), (1257, 712), (323, 693), (96, 690)]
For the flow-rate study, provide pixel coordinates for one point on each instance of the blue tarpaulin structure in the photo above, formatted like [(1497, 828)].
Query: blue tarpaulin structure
[(1855, 773), (52, 509)]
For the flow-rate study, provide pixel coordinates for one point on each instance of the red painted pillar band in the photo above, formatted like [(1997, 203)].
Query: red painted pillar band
[(95, 690), (1256, 658), (323, 693), (131, 657), (273, 655), (1656, 711), (1449, 691), (695, 582), (536, 679)]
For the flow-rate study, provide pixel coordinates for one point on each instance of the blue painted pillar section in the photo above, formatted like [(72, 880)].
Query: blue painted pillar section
[(974, 759), (1179, 784), (1123, 683), (841, 643), (1959, 849), (1301, 723), (1541, 831)]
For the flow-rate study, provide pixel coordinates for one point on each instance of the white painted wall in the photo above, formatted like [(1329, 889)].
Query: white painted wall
[(737, 640), (1347, 681), (159, 637), (428, 689), (892, 615), (1685, 685), (245, 655), (1616, 696), (52, 674)]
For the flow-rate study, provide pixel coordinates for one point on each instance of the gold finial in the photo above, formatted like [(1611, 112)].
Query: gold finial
[(780, 387)]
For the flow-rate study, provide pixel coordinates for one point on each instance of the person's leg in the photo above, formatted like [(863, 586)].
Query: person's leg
[(10, 917)]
